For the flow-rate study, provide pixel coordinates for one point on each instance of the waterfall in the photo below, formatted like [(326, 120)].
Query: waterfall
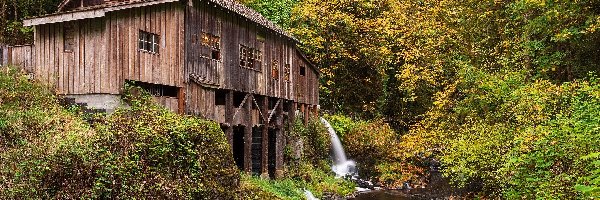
[(309, 195), (341, 165)]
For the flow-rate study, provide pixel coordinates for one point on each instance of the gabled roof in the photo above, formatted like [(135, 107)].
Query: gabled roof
[(101, 9)]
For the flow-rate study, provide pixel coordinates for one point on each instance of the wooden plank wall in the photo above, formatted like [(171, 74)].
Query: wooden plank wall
[(234, 31), (164, 68), (80, 71), (106, 51), (22, 56), (198, 56)]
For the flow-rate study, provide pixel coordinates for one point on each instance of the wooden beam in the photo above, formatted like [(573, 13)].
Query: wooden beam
[(280, 142), (65, 17), (181, 100), (248, 135), (88, 14), (265, 138)]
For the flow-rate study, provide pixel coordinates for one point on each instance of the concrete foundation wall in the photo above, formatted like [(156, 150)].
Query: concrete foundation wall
[(107, 102)]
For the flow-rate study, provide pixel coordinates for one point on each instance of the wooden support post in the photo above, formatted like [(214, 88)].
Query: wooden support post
[(306, 113), (9, 56), (280, 144), (265, 136), (316, 111), (292, 114), (229, 110), (181, 101), (248, 135)]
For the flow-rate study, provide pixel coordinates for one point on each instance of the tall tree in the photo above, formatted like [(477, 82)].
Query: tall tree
[(12, 13)]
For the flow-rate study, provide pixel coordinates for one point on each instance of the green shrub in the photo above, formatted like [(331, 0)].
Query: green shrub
[(589, 186), (300, 176), (315, 139), (342, 124), (140, 152), (519, 139)]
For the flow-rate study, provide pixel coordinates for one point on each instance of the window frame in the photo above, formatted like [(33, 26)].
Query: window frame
[(68, 38), (251, 58), (148, 42)]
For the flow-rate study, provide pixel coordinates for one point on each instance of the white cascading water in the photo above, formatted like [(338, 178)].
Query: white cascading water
[(309, 195), (341, 165)]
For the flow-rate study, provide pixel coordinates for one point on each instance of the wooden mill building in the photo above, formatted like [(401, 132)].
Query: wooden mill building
[(212, 58)]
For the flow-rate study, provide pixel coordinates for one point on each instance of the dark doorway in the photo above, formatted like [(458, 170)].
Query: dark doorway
[(238, 146), (272, 152), (257, 150)]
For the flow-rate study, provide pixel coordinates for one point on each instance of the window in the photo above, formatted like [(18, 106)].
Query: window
[(302, 71), (286, 73), (148, 42), (212, 42), (250, 58), (275, 70), (68, 38), (156, 89)]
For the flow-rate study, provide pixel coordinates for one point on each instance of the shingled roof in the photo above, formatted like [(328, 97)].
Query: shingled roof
[(98, 10)]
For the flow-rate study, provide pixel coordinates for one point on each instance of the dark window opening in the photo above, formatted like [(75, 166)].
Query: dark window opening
[(272, 103), (220, 97), (238, 146), (287, 106), (272, 159), (258, 100), (257, 150), (156, 89), (216, 54), (302, 71), (238, 98), (148, 42), (68, 38)]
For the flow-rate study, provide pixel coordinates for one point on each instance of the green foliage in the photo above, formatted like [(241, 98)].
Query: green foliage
[(342, 124), (520, 139), (278, 11), (502, 92), (140, 152), (347, 40), (314, 138), (375, 148), (12, 13), (590, 185), (319, 180)]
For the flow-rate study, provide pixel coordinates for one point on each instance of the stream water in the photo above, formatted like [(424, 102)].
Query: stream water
[(438, 188)]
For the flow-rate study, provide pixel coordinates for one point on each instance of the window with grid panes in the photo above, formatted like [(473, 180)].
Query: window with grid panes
[(148, 42)]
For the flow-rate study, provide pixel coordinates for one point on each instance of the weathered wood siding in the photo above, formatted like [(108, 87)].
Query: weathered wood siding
[(80, 71), (130, 63), (106, 52), (226, 73), (22, 56)]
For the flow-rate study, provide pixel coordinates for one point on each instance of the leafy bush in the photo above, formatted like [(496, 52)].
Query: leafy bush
[(590, 185), (375, 148), (139, 152), (315, 140), (521, 140), (300, 176)]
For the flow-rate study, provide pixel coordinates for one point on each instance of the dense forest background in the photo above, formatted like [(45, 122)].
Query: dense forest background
[(12, 13), (504, 93)]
